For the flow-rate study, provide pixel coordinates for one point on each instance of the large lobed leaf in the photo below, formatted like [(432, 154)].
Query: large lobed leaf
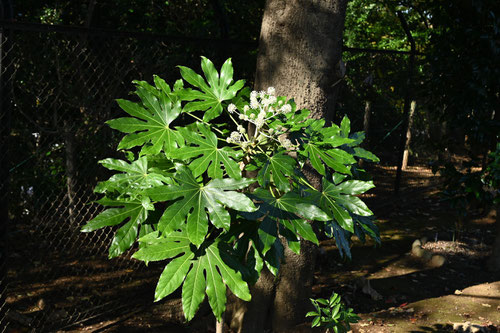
[(277, 169), (348, 213), (150, 126), (196, 199), (211, 157), (134, 211), (207, 272), (134, 177), (289, 210), (337, 159), (214, 91), (337, 200)]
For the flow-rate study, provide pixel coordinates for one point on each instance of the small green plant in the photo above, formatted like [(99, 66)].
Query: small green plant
[(332, 314), (468, 191), (185, 197), (491, 176)]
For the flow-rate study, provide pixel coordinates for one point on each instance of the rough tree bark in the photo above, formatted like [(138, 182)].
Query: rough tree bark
[(69, 147), (406, 152), (366, 124), (300, 55), (366, 118)]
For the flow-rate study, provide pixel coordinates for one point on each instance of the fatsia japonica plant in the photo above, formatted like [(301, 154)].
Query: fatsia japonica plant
[(185, 194)]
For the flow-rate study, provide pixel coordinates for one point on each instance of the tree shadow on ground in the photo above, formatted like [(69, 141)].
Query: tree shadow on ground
[(432, 282), (434, 328), (399, 277)]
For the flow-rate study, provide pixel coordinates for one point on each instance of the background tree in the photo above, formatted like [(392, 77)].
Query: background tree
[(379, 78), (464, 65)]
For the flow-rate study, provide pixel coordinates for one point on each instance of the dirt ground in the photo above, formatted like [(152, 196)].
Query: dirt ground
[(408, 294)]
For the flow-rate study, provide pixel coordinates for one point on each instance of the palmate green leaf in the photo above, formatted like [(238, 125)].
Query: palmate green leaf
[(368, 227), (172, 94), (267, 233), (135, 176), (327, 201), (354, 205), (365, 154), (293, 202), (134, 211), (173, 276), (274, 256), (193, 290), (255, 263), (290, 207), (155, 248), (211, 157), (342, 237), (354, 187), (332, 137), (210, 274), (336, 141), (294, 121), (151, 124), (207, 272), (196, 200), (256, 241), (211, 96), (336, 159), (338, 200), (277, 169), (288, 231), (345, 127), (357, 138), (316, 322)]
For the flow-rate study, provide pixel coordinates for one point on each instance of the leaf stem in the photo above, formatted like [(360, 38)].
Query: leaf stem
[(234, 121), (204, 122), (305, 182)]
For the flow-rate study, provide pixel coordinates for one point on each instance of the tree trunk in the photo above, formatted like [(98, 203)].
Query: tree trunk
[(366, 118), (300, 52), (408, 93), (366, 125), (69, 146), (406, 152), (296, 277), (254, 316), (300, 55)]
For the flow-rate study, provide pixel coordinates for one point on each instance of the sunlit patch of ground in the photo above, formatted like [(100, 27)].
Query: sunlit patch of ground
[(479, 304), (415, 296)]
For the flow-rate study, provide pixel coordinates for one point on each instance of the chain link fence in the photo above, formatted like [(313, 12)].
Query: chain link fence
[(57, 88)]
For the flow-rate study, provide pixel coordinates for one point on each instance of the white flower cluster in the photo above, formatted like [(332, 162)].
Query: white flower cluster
[(264, 105), (286, 143)]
